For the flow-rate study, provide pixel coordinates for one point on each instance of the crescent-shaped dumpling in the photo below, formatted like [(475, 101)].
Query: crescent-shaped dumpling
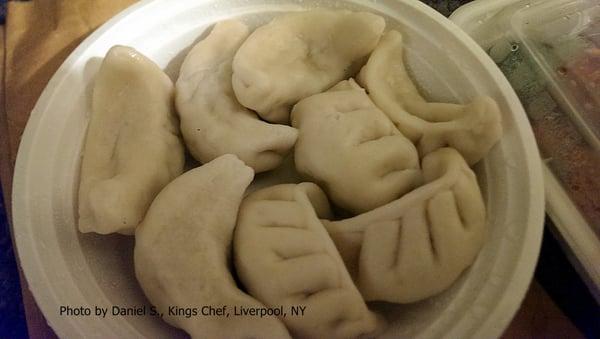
[(213, 122), (471, 129), (182, 252), (284, 256), (300, 54), (418, 245), (352, 149), (132, 148)]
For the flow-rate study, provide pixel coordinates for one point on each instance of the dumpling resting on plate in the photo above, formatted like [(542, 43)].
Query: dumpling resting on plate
[(471, 129), (352, 149), (182, 252), (284, 256), (213, 122), (418, 245), (300, 54), (132, 148)]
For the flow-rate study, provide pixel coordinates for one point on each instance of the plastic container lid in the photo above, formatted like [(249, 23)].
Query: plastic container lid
[(550, 52), (66, 268)]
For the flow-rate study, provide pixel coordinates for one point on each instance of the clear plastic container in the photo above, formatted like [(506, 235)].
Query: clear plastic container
[(549, 50)]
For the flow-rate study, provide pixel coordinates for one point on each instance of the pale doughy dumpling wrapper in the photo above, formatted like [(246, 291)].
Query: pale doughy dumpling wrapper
[(471, 129), (213, 122), (417, 246), (132, 148), (284, 256), (352, 149), (182, 252), (300, 54)]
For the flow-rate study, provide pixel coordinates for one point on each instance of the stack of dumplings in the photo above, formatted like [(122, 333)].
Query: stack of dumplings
[(213, 122), (284, 256), (300, 54), (389, 209), (342, 131), (471, 129)]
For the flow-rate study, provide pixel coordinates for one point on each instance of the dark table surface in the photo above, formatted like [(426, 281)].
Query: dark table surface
[(12, 316)]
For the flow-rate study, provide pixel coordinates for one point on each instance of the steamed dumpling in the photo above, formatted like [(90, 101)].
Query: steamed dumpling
[(213, 122), (284, 256), (133, 148), (471, 129), (417, 246), (182, 252), (300, 54), (351, 148)]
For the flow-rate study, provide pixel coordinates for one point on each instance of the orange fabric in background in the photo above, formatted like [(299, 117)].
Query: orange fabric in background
[(37, 37)]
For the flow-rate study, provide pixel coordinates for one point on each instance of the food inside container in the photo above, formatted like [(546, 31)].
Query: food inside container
[(550, 53), (555, 69), (567, 150)]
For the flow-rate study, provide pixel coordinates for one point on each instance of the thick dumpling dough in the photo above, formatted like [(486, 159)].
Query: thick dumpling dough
[(471, 129), (182, 252), (284, 256), (213, 122), (351, 148), (301, 54), (418, 245), (133, 148)]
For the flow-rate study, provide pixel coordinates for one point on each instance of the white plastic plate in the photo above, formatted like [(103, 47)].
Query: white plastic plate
[(66, 268)]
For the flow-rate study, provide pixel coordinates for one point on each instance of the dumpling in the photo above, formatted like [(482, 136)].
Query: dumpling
[(182, 252), (352, 149), (284, 256), (213, 122), (417, 246), (133, 148), (471, 129), (300, 54)]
